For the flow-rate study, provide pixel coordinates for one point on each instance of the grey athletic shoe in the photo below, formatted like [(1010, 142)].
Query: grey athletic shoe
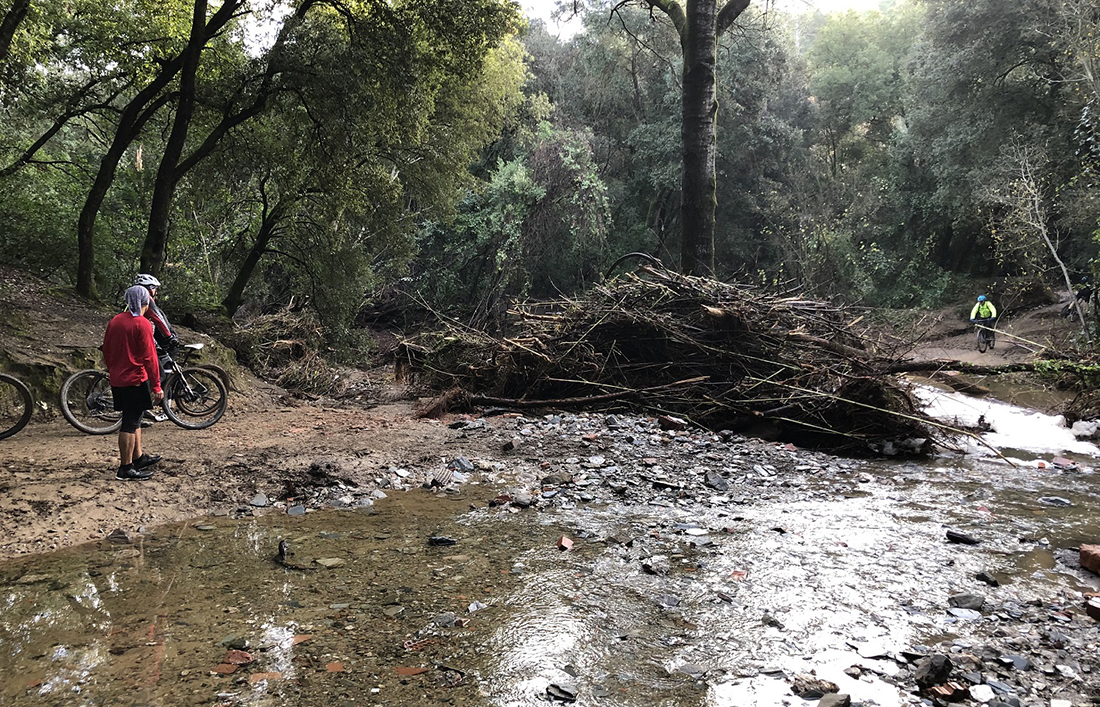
[(129, 473)]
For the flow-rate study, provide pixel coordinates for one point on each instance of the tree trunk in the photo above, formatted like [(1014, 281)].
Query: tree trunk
[(11, 23), (168, 176), (697, 129), (699, 28), (130, 123), (268, 229), (172, 167)]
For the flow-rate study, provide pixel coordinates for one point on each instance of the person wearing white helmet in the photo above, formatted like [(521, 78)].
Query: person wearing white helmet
[(163, 334)]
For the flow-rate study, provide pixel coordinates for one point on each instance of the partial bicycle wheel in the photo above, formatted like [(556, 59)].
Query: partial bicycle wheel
[(16, 405), (219, 372), (983, 341), (87, 403), (196, 398)]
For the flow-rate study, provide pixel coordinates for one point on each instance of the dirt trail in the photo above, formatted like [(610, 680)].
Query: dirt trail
[(1021, 336)]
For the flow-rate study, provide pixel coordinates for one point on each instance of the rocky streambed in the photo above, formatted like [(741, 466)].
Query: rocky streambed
[(596, 559)]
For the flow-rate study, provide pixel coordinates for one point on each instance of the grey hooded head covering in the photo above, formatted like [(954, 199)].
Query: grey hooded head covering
[(136, 298)]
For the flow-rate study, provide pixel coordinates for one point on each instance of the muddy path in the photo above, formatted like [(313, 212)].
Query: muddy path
[(57, 485)]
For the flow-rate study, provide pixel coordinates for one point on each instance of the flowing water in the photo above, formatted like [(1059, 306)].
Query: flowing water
[(821, 572)]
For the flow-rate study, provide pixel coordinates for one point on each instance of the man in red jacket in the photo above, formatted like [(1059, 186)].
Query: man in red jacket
[(131, 358)]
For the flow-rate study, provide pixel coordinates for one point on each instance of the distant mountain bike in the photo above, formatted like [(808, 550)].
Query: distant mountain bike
[(986, 336), (16, 405), (195, 397)]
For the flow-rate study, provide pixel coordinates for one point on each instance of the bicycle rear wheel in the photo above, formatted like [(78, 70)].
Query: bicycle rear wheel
[(87, 403), (220, 372), (196, 398), (16, 405)]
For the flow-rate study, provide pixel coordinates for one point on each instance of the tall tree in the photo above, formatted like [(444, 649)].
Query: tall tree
[(132, 119), (12, 18), (699, 23)]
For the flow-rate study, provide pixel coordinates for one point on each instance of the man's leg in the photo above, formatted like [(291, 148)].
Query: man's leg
[(127, 443)]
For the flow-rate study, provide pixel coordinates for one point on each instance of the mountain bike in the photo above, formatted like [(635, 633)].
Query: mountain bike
[(16, 405), (195, 397), (987, 337)]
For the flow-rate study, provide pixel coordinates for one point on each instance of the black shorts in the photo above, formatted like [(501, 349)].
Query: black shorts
[(133, 398)]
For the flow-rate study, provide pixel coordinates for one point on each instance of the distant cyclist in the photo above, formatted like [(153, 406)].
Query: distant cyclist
[(163, 334), (984, 313)]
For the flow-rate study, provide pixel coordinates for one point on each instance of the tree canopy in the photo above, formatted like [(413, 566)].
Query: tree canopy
[(256, 154)]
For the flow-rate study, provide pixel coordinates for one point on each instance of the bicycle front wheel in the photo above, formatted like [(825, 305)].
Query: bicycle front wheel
[(196, 398), (16, 405), (88, 404)]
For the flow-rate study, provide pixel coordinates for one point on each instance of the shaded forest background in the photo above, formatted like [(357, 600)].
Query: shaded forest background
[(327, 154)]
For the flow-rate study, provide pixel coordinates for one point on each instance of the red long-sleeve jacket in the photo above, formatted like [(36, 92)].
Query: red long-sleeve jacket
[(130, 353)]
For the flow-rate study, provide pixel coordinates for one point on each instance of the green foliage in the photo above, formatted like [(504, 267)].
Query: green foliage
[(538, 228)]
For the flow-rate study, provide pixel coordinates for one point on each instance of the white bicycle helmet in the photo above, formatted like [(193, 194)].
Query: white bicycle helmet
[(146, 280)]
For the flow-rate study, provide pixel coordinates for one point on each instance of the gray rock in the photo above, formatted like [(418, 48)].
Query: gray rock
[(446, 620), (987, 578), (834, 699), (933, 670), (258, 501), (1056, 501), (811, 687), (562, 691), (691, 669), (461, 464), (966, 601), (961, 538), (967, 614), (668, 601), (657, 564), (981, 693), (714, 480), (1018, 662)]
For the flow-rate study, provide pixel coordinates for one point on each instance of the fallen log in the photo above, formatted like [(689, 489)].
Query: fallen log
[(939, 365), (953, 380)]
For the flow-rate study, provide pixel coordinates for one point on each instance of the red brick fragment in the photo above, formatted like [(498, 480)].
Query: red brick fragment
[(1090, 558), (238, 658), (1092, 608)]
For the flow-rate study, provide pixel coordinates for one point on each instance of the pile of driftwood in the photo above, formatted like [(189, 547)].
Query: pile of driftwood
[(284, 347), (724, 356)]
